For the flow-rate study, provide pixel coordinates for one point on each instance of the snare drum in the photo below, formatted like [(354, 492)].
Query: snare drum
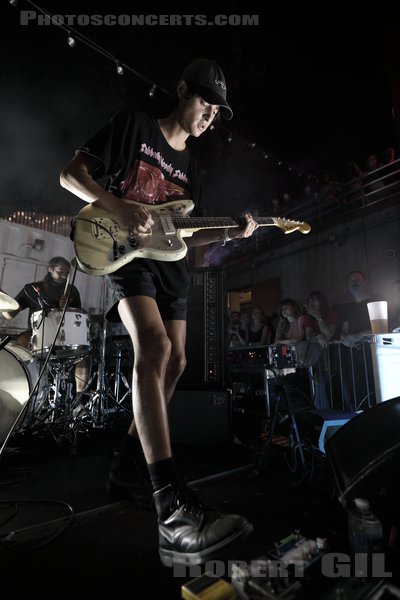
[(73, 339), (18, 376)]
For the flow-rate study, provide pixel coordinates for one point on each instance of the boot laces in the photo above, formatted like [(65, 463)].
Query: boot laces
[(189, 501)]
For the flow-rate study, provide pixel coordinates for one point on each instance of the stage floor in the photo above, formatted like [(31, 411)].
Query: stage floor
[(61, 534)]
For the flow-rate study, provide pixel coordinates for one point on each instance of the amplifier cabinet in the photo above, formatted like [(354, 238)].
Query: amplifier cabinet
[(201, 417)]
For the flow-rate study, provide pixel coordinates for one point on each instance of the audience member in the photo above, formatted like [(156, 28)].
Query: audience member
[(244, 327), (290, 328), (356, 323), (234, 336), (389, 156), (375, 178), (320, 324), (320, 321), (260, 328), (358, 371)]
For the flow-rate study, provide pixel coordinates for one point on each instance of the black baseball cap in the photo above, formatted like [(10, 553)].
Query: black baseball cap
[(206, 76)]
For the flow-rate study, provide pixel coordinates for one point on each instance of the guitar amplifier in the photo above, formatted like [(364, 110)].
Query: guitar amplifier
[(200, 417), (205, 337)]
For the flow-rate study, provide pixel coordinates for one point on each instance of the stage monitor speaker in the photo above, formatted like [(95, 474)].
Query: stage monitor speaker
[(200, 417), (318, 426), (365, 456), (205, 338)]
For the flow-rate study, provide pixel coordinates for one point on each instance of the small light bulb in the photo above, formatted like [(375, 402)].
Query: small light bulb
[(120, 69), (70, 41), (152, 91)]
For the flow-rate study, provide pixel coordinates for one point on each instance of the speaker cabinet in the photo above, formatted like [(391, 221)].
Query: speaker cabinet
[(365, 456), (200, 417), (205, 340)]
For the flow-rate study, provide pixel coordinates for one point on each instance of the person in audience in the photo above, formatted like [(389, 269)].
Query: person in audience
[(355, 318), (355, 334), (234, 336), (374, 182), (353, 195), (320, 321), (244, 327), (260, 328), (320, 324), (389, 155), (290, 328)]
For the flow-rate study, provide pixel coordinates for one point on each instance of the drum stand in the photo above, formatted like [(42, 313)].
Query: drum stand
[(57, 416), (103, 401), (120, 376)]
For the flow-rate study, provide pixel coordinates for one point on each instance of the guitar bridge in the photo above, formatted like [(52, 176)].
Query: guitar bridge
[(103, 229)]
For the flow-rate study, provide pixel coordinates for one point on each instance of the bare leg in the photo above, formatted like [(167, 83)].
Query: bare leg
[(152, 355), (176, 331)]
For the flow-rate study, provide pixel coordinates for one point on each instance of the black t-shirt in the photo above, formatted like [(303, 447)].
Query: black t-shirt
[(357, 315), (45, 294), (140, 165)]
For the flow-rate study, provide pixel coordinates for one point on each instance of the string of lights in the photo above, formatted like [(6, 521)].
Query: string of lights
[(121, 67)]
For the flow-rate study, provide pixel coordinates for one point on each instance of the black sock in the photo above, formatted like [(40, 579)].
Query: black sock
[(164, 472)]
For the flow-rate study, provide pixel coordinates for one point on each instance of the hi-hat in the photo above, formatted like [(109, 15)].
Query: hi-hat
[(7, 303)]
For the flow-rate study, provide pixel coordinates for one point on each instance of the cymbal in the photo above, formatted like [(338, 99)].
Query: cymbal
[(7, 303)]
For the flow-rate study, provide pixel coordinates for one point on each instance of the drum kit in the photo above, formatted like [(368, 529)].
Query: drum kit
[(37, 391)]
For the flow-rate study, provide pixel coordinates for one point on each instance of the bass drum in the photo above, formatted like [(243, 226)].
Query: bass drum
[(18, 376)]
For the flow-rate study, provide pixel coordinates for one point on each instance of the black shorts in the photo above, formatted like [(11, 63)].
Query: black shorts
[(135, 279)]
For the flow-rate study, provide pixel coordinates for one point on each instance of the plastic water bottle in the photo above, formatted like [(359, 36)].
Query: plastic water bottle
[(365, 529)]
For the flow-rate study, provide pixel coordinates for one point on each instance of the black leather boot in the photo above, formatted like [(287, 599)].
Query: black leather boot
[(128, 480), (191, 532)]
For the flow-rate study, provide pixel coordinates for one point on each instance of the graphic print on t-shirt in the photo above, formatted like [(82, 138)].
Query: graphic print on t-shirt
[(152, 180)]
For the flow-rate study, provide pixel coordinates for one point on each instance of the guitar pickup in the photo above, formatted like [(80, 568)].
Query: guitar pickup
[(167, 225)]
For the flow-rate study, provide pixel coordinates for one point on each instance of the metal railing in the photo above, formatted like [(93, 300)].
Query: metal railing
[(323, 208), (340, 378)]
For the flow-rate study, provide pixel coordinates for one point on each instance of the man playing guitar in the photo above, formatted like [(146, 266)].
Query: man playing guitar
[(147, 160)]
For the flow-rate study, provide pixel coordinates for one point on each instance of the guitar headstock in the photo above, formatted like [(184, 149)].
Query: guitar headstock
[(288, 225)]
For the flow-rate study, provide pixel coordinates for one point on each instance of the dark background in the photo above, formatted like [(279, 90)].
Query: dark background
[(311, 92)]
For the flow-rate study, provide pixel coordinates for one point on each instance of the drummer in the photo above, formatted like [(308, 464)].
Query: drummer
[(45, 295)]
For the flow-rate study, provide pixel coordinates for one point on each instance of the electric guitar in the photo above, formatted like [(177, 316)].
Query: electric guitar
[(102, 245)]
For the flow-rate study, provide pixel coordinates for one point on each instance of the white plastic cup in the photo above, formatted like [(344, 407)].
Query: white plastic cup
[(378, 316)]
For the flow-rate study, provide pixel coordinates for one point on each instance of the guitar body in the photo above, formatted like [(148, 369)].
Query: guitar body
[(102, 245)]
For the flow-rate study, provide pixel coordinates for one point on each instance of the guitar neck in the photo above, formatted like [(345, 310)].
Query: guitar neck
[(196, 223)]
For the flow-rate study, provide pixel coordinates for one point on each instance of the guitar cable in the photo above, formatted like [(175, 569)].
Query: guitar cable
[(93, 222)]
